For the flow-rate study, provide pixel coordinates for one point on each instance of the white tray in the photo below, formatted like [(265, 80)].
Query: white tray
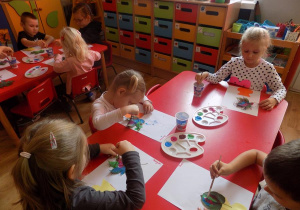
[(210, 116), (34, 59), (35, 71)]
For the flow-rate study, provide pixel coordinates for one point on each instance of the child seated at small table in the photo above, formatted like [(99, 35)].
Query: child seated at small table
[(30, 36)]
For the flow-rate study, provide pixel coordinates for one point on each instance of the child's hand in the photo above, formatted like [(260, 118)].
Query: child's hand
[(148, 107), (6, 51), (40, 43), (108, 149), (268, 104), (57, 42), (224, 169), (130, 109), (123, 147), (201, 76)]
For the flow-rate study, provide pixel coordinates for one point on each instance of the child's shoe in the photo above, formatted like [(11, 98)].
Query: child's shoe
[(91, 96)]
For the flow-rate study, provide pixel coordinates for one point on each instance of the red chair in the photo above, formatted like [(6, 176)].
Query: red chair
[(79, 84), (93, 129), (152, 89)]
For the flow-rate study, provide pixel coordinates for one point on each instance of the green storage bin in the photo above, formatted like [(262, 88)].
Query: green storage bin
[(163, 9), (124, 6), (209, 36), (142, 24), (112, 34), (180, 65)]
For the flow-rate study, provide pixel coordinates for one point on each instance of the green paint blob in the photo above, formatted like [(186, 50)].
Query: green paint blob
[(190, 136), (200, 113), (52, 19), (20, 7)]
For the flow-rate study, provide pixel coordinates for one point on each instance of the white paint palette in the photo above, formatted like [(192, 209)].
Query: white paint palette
[(210, 116), (34, 59), (35, 71), (183, 145)]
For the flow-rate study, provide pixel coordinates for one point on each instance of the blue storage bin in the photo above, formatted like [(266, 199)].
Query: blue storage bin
[(163, 28), (199, 67), (183, 50), (143, 55), (110, 19), (126, 22)]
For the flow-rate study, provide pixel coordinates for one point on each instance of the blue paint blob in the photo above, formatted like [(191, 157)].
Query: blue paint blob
[(198, 118), (168, 144)]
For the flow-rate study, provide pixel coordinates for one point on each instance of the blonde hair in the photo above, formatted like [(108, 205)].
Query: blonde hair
[(256, 34), (131, 80), (73, 44), (42, 179)]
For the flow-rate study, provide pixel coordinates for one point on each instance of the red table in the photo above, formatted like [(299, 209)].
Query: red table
[(242, 132), (21, 83)]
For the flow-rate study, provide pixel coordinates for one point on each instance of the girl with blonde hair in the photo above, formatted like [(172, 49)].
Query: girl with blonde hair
[(126, 91), (53, 154)]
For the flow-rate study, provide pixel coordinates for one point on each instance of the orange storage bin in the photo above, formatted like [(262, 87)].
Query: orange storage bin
[(162, 61), (142, 7), (213, 16), (115, 48), (206, 55), (184, 32), (127, 52)]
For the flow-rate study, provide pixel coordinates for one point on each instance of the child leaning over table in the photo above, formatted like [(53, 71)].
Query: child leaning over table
[(53, 154), (79, 59), (281, 168), (127, 89), (30, 36), (251, 70)]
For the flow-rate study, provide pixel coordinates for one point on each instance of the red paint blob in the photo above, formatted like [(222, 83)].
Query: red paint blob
[(220, 118), (194, 149)]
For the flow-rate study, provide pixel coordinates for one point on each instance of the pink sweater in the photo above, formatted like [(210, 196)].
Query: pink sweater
[(73, 67)]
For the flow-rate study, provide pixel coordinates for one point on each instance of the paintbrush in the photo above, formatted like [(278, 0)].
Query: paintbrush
[(130, 121), (212, 182)]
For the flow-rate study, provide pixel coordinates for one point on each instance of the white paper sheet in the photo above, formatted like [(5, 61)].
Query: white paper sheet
[(149, 165), (233, 92), (5, 64), (31, 49), (157, 125), (189, 181), (5, 74), (49, 62)]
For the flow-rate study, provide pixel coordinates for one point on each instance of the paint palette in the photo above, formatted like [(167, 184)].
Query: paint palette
[(35, 71), (210, 116), (34, 59), (183, 145)]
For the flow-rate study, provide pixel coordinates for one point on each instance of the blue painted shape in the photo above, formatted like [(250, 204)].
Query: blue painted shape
[(198, 118), (168, 144)]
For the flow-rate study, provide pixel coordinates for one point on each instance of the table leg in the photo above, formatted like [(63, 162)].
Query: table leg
[(9, 129), (104, 70)]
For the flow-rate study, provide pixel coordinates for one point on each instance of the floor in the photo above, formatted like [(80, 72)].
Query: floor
[(290, 128)]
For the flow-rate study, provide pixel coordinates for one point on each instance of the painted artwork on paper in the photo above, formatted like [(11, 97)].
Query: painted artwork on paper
[(243, 103), (118, 167)]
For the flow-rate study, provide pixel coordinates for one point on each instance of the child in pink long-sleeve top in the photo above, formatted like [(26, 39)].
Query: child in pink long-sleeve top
[(79, 59)]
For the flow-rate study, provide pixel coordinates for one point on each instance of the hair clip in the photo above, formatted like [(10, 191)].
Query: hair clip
[(53, 141), (25, 154)]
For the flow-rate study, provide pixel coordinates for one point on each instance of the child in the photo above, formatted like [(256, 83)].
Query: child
[(250, 70), (30, 36), (53, 154), (281, 171), (79, 59), (5, 51), (127, 89)]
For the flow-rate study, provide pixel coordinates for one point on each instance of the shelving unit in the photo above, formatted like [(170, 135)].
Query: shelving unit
[(231, 37)]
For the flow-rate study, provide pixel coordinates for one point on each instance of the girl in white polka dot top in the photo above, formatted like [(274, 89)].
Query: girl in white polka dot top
[(250, 70)]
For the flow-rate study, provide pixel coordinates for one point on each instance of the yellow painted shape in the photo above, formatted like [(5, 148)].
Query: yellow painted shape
[(235, 206), (105, 186)]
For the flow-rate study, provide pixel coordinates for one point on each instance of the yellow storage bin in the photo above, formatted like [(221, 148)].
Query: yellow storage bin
[(162, 61), (127, 52), (184, 32), (213, 16), (142, 7), (115, 48)]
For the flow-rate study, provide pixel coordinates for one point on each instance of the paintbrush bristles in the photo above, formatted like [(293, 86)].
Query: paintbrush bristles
[(212, 182)]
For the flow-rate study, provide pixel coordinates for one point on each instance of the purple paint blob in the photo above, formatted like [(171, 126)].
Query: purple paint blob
[(168, 144), (182, 136), (205, 110)]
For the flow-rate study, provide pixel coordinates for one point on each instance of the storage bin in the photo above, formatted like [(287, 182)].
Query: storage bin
[(162, 61), (142, 24), (209, 36), (126, 37), (213, 16), (124, 6), (206, 55), (163, 28), (112, 34), (115, 48), (125, 22), (186, 12), (143, 41), (162, 45), (142, 7), (198, 68), (110, 19), (184, 32), (183, 50), (127, 51), (180, 65), (109, 5), (143, 56), (163, 9)]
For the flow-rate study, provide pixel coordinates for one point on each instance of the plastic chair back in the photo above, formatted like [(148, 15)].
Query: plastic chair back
[(279, 140), (152, 89)]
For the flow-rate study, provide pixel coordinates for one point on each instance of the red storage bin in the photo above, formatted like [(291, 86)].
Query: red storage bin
[(126, 37), (163, 45), (109, 5), (186, 12), (143, 41), (206, 55)]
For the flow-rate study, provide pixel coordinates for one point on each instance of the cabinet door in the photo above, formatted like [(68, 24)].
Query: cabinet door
[(52, 16)]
